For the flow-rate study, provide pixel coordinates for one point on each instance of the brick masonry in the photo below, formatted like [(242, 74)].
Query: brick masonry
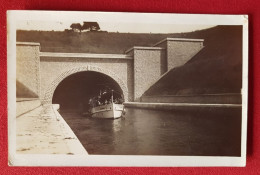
[(134, 71), (179, 50), (28, 66), (147, 68), (53, 74)]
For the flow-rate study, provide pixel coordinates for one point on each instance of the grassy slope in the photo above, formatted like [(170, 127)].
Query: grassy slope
[(215, 69), (89, 42)]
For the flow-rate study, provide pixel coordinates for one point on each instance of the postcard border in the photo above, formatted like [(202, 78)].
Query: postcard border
[(108, 160)]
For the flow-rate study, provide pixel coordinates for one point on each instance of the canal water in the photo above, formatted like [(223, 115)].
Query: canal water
[(205, 132)]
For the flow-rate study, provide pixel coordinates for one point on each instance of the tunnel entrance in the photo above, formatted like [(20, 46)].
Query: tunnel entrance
[(74, 92)]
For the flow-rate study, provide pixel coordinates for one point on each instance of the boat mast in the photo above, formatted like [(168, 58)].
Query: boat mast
[(112, 96)]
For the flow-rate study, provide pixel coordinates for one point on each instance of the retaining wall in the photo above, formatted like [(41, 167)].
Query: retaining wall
[(148, 66), (178, 106), (24, 105), (28, 69), (180, 50), (203, 99)]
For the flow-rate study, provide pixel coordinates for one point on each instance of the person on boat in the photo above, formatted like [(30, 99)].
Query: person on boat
[(91, 102), (117, 101), (103, 91), (120, 100)]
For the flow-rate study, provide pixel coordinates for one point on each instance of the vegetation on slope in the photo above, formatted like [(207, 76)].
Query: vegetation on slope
[(217, 68), (90, 42)]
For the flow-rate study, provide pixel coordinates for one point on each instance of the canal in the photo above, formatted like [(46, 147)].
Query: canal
[(202, 131)]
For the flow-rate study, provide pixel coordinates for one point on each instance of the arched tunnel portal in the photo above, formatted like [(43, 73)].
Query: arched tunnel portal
[(73, 92)]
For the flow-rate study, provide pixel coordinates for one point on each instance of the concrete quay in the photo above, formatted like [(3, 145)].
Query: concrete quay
[(174, 106), (44, 131)]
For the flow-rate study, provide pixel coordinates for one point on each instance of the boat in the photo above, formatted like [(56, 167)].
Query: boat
[(105, 106), (107, 111)]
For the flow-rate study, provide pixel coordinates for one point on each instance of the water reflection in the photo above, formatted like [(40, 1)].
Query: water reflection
[(149, 132), (116, 125)]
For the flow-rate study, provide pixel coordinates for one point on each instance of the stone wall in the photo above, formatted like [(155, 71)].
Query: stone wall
[(25, 105), (55, 69), (179, 50), (199, 99), (135, 71), (149, 65), (27, 69)]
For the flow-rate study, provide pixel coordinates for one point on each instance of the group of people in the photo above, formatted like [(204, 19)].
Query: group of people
[(105, 97), (99, 101)]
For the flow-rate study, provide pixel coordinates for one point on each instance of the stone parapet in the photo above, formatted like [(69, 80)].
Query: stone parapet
[(27, 44), (143, 48)]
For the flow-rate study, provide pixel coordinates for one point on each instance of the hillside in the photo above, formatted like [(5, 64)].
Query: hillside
[(90, 42), (217, 68)]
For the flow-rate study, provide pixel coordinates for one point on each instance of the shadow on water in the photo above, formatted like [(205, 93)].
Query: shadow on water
[(207, 132)]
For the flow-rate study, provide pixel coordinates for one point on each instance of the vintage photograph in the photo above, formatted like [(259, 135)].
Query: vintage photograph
[(96, 87)]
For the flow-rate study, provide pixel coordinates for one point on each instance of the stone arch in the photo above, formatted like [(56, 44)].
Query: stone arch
[(50, 90)]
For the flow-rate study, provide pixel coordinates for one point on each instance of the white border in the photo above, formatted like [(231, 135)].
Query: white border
[(107, 160)]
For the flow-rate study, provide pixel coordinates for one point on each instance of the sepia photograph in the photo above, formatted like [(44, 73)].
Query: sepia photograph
[(126, 89)]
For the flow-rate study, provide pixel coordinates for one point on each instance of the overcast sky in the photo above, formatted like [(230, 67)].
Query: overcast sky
[(111, 27)]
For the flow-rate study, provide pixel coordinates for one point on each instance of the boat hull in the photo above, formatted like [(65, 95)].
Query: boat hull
[(107, 111)]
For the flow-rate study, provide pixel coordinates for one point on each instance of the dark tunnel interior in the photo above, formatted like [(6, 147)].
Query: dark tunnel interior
[(74, 92)]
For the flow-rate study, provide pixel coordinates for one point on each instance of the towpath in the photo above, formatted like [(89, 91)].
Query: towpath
[(44, 131)]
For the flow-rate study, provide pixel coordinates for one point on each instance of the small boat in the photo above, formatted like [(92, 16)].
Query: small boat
[(107, 111), (105, 106)]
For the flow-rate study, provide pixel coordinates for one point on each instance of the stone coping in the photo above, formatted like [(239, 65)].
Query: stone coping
[(28, 43), (198, 99), (195, 95), (179, 39), (84, 55), (144, 48), (173, 105), (26, 99)]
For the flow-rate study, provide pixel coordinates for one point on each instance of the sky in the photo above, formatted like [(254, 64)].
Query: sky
[(122, 27)]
